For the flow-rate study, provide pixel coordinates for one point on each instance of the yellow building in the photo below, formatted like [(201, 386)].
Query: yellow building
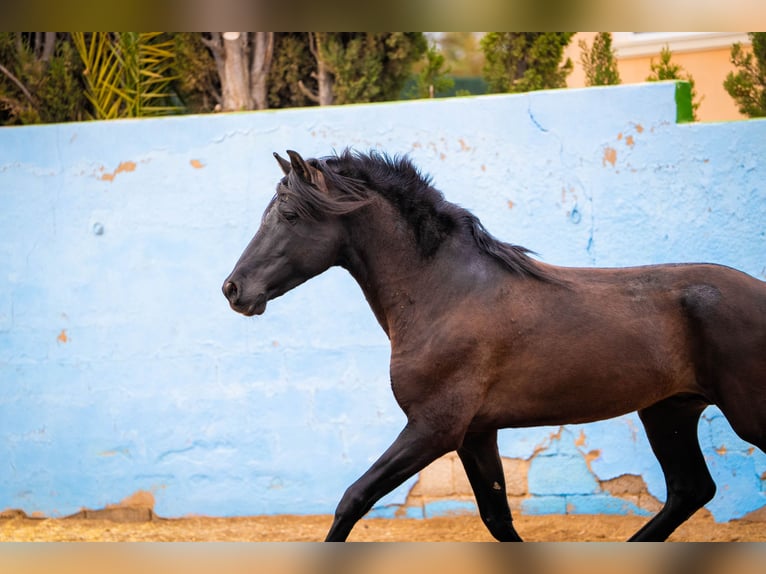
[(704, 55)]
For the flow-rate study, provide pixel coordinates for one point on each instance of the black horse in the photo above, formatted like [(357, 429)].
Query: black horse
[(484, 337)]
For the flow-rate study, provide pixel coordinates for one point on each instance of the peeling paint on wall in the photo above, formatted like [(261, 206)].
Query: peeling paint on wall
[(138, 507), (443, 488), (124, 167)]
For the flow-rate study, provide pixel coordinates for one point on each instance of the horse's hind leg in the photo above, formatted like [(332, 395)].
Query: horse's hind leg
[(671, 426), (484, 469)]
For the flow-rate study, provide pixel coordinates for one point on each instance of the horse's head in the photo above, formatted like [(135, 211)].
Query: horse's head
[(300, 237)]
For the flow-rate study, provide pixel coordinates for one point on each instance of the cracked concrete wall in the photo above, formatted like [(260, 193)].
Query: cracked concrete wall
[(123, 370)]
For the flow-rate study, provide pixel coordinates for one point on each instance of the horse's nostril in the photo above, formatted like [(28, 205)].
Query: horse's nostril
[(230, 290)]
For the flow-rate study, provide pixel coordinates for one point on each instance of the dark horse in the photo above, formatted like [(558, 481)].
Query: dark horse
[(484, 337)]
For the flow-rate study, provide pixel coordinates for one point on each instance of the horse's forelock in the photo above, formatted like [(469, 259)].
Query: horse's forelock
[(331, 194)]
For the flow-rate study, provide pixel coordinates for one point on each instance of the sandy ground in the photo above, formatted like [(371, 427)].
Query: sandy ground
[(287, 528)]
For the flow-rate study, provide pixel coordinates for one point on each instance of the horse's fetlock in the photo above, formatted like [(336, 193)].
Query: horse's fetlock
[(351, 504)]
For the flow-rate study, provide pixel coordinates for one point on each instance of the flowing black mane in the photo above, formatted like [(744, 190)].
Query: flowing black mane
[(431, 217)]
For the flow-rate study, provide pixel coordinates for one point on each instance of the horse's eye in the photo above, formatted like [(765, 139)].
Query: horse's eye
[(290, 216)]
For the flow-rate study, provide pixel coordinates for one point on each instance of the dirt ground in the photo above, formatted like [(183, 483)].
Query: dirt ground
[(16, 527)]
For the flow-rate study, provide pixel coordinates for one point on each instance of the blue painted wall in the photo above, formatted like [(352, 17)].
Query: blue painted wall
[(123, 369)]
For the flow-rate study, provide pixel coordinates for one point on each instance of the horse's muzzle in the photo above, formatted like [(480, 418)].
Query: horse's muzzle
[(233, 292)]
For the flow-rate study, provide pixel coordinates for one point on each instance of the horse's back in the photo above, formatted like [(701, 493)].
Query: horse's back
[(704, 293)]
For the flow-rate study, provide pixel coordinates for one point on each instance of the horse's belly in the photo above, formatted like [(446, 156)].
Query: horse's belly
[(586, 390)]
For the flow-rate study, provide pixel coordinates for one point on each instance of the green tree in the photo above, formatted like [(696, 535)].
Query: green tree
[(666, 69), (196, 76), (73, 76), (292, 68), (599, 62), (525, 61), (432, 79), (128, 74), (40, 79), (748, 84), (354, 67)]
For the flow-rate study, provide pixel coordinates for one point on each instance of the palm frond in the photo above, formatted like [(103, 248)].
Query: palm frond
[(102, 72), (128, 74)]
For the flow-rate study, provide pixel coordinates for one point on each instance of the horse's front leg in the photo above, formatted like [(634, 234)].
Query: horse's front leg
[(415, 448)]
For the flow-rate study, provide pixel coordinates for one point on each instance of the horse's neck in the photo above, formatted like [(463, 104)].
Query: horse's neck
[(385, 260)]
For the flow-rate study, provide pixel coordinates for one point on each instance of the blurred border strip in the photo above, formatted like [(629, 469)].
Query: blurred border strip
[(380, 558), (383, 15)]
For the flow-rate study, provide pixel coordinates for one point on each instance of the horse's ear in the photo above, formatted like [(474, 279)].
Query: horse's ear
[(305, 171), (283, 163), (300, 166)]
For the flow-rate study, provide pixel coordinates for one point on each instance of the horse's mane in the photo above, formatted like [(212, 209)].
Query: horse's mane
[(432, 218)]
